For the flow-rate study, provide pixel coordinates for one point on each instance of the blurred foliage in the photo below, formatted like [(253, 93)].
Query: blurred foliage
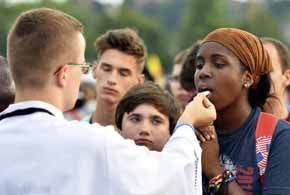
[(96, 21), (260, 22), (201, 17), (166, 26)]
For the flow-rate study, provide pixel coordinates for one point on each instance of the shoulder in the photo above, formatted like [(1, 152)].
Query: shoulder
[(81, 133), (281, 135), (282, 127), (279, 156), (84, 129)]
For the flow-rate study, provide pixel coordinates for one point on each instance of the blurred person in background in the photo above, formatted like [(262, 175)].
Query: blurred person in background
[(280, 57), (7, 89), (86, 101), (121, 59), (188, 69), (182, 95), (89, 96)]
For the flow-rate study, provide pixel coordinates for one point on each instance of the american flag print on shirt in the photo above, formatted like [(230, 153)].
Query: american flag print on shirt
[(262, 151)]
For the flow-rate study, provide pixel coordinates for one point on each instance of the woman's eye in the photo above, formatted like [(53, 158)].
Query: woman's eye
[(199, 65), (219, 65)]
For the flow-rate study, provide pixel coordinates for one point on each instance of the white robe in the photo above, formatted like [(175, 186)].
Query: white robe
[(47, 155)]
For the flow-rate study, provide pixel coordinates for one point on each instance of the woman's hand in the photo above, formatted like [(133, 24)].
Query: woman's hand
[(205, 133), (210, 151)]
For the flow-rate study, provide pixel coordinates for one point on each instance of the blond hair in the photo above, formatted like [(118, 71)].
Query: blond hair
[(40, 40)]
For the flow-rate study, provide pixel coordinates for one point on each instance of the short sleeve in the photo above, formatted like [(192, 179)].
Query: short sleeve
[(277, 176)]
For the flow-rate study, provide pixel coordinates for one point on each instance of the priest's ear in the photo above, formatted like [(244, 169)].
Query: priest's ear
[(61, 75)]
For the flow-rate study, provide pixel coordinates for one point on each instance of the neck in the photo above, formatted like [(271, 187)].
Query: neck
[(277, 106), (39, 95), (104, 113), (230, 119)]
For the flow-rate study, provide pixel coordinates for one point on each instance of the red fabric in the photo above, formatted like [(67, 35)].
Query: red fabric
[(266, 125), (264, 132)]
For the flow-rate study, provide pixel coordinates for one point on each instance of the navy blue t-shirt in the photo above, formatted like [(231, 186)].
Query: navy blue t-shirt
[(238, 154)]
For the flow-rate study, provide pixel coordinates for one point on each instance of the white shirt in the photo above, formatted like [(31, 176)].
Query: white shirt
[(47, 155)]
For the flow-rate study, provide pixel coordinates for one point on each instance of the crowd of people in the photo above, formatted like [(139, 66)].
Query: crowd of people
[(219, 126)]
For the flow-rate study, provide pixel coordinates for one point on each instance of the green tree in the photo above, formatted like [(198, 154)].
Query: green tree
[(89, 17), (150, 29), (201, 16), (260, 21)]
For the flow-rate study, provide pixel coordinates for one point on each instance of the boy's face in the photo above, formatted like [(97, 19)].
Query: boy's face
[(146, 126), (115, 73)]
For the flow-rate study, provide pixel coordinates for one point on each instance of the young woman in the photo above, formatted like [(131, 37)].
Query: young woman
[(233, 65)]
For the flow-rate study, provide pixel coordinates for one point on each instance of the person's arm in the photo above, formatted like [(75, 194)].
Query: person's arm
[(134, 169), (277, 175), (210, 161), (233, 189)]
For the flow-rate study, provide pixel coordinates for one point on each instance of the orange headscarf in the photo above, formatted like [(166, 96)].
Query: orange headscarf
[(246, 46)]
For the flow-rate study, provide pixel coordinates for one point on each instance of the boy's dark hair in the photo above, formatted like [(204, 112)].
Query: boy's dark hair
[(7, 91), (188, 68), (125, 40), (148, 93), (282, 50)]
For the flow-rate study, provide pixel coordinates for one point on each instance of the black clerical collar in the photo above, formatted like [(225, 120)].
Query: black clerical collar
[(25, 111)]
